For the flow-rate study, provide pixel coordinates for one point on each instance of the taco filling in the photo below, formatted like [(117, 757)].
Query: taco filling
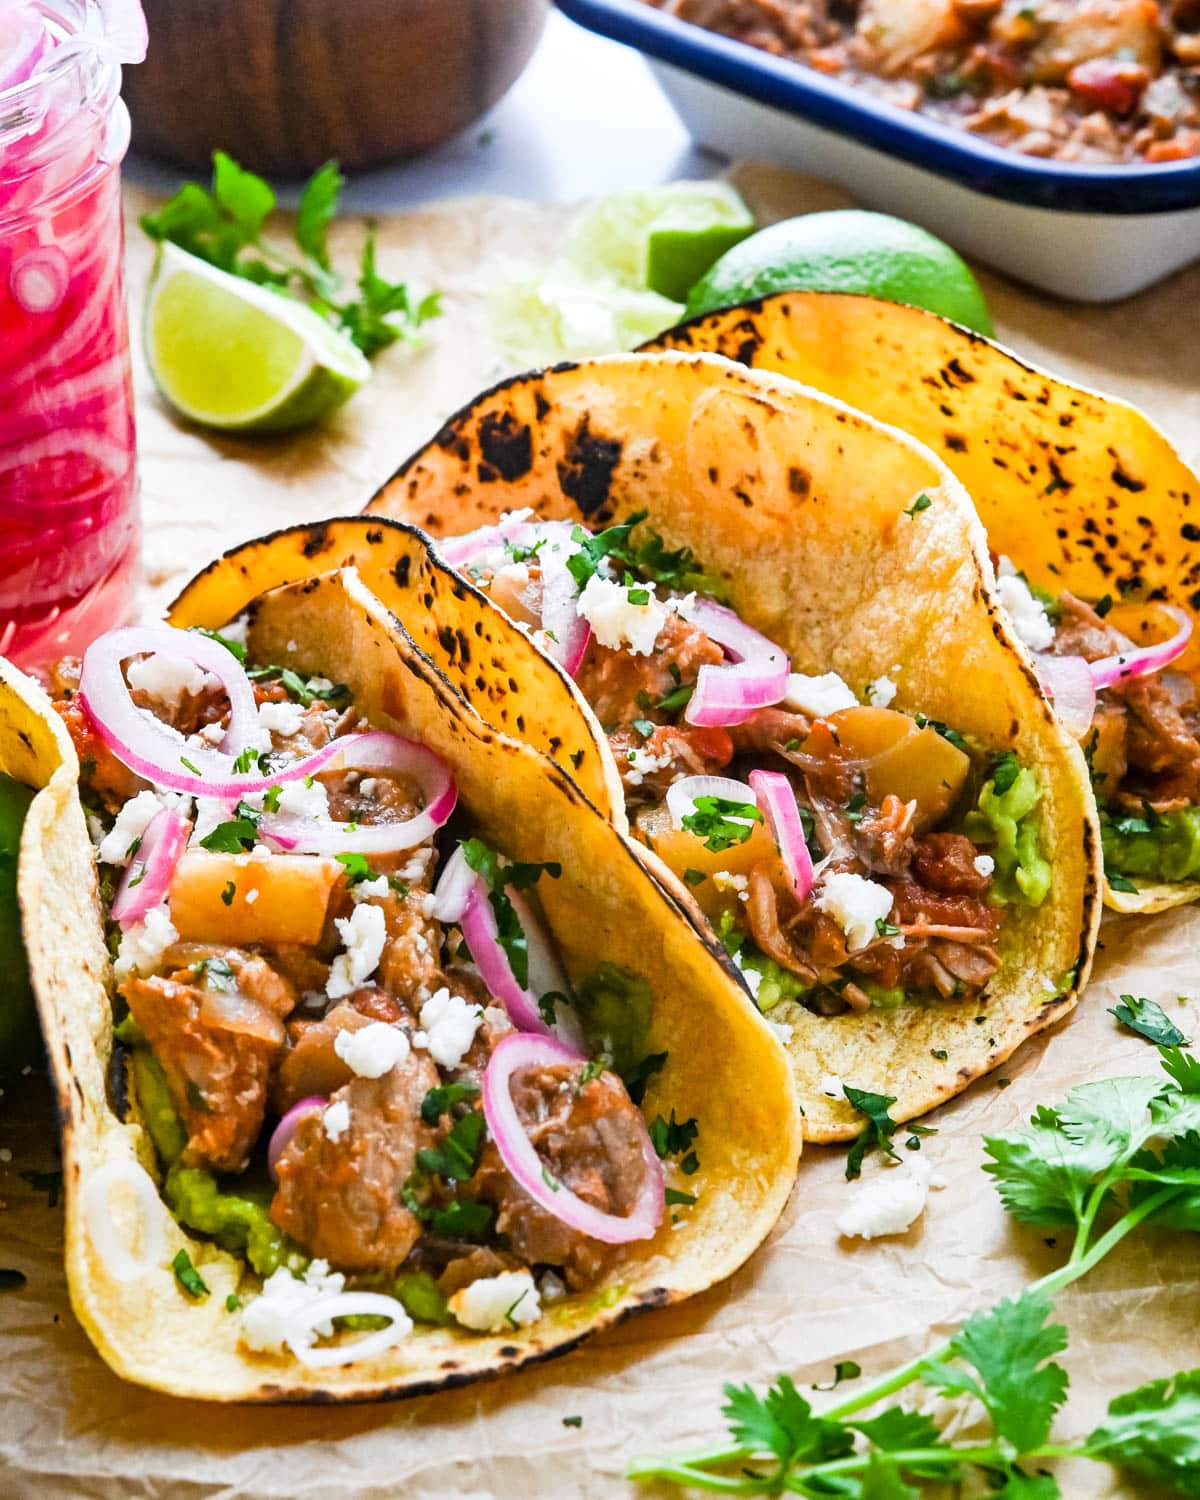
[(849, 854), (347, 1030), (1136, 716)]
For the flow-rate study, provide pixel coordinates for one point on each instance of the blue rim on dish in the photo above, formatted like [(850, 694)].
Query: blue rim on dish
[(842, 107)]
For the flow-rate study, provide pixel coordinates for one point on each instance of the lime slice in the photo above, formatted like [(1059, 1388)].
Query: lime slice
[(661, 239), (18, 1014), (848, 250), (229, 354)]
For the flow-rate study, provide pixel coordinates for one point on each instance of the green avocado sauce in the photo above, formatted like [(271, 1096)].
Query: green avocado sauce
[(1160, 846), (239, 1222), (1007, 823), (615, 1007)]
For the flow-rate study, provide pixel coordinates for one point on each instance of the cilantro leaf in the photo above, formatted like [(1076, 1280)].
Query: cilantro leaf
[(458, 1155), (244, 197), (637, 1077), (895, 1429), (461, 1220), (187, 1275), (318, 207), (721, 822), (444, 1097), (1155, 1430), (1009, 1348), (882, 1480), (782, 1423), (1148, 1020), (878, 1133), (673, 1137), (355, 866), (233, 837), (384, 311), (1020, 1486), (1183, 1068)]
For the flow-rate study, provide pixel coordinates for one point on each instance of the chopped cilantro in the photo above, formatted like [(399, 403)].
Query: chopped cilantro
[(845, 1369), (694, 877), (187, 1275), (677, 1199), (922, 502), (722, 822), (355, 866), (228, 892), (232, 1302), (1004, 772), (1149, 1020), (458, 1155), (637, 1077), (460, 1220), (673, 1137), (1120, 883), (235, 648), (572, 1421), (444, 1097), (233, 837)]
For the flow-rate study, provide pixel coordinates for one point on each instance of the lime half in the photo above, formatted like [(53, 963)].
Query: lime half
[(229, 354), (848, 250), (661, 239)]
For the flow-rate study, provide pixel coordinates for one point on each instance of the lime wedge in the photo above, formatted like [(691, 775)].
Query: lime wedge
[(232, 355), (661, 239)]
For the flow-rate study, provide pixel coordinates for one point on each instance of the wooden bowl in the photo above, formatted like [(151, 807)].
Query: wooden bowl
[(284, 85)]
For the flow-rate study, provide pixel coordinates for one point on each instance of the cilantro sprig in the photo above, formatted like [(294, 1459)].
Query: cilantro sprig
[(1113, 1157), (224, 225), (649, 558), (498, 875)]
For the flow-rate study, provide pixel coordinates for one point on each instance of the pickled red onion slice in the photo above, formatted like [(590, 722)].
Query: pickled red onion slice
[(776, 799), (517, 1152), (1069, 683), (730, 694), (281, 1136), (347, 1305), (454, 885), (39, 279), (376, 751), (144, 743), (1141, 661), (458, 551), (145, 881), (567, 632), (545, 974)]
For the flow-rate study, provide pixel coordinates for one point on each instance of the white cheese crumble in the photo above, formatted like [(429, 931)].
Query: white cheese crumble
[(881, 692), (1027, 612), (818, 696), (752, 976), (495, 1303), (320, 686), (299, 800), (450, 1024), (832, 1086), (551, 1288), (283, 719), (364, 933), (889, 1204), (336, 1119), (251, 897), (132, 821), (269, 1319), (642, 764), (143, 944), (236, 629), (364, 890), (168, 678), (724, 880), (985, 864), (372, 1050), (617, 622), (855, 904)]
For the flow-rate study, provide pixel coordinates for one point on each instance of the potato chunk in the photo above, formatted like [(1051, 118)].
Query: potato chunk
[(249, 898)]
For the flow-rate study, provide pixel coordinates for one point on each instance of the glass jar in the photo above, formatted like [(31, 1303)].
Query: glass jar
[(69, 532)]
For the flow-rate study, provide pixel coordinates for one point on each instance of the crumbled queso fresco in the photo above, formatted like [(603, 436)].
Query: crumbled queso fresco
[(268, 1321), (168, 678), (450, 1024), (336, 1119), (143, 944), (497, 1303), (818, 696), (855, 904), (616, 621), (132, 821), (371, 1051), (1027, 612), (891, 1203), (363, 933), (284, 719)]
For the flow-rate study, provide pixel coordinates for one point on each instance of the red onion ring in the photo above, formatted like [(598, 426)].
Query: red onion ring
[(39, 280), (522, 1050), (377, 750), (142, 742), (453, 886), (568, 633), (1145, 659), (729, 695), (483, 939), (682, 794), (145, 881), (281, 1136), (1071, 688), (776, 799)]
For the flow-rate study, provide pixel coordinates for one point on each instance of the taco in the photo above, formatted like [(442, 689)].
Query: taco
[(786, 629), (1091, 515), (410, 1081)]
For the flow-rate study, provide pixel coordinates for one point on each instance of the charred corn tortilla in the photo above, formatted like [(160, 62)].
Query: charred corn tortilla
[(799, 504), (1080, 490), (147, 1329)]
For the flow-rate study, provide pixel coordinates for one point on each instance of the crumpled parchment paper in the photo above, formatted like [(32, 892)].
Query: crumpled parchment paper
[(69, 1430)]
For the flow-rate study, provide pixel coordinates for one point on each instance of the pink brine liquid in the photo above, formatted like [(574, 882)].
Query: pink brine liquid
[(68, 508)]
